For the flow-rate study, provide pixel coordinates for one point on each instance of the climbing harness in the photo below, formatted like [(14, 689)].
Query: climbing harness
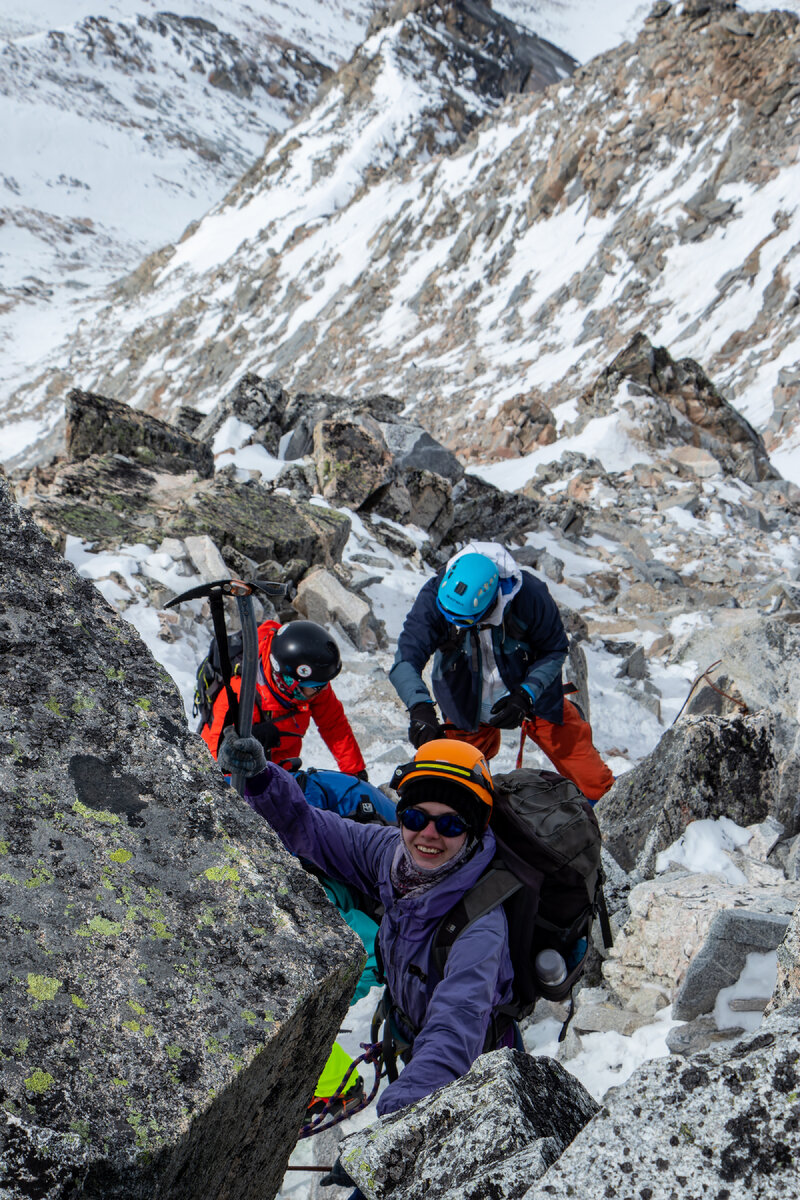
[(373, 1053)]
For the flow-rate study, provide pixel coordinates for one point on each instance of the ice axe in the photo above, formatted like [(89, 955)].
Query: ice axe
[(240, 710)]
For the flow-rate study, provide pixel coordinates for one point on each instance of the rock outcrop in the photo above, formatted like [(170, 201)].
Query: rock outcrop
[(97, 426), (487, 1134), (108, 496), (170, 979), (702, 767)]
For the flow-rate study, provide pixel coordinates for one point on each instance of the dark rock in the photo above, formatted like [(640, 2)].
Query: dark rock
[(187, 419), (97, 425), (734, 934), (170, 979), (487, 1134), (412, 448), (418, 497), (482, 512), (352, 462), (257, 402), (702, 767)]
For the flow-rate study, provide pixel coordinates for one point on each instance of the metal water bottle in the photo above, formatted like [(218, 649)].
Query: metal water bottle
[(550, 967)]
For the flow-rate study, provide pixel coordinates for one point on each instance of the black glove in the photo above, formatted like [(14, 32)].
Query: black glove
[(512, 709), (238, 755), (337, 1175), (267, 733), (363, 775), (424, 725)]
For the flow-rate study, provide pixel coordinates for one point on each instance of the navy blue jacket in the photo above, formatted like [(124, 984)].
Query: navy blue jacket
[(529, 647)]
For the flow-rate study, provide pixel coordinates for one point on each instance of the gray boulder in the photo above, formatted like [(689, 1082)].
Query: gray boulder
[(734, 934), (487, 1134), (257, 402), (413, 448), (98, 425), (702, 767), (723, 1123), (170, 979), (416, 497)]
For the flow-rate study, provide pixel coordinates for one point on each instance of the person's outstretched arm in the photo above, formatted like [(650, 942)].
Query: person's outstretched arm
[(345, 849)]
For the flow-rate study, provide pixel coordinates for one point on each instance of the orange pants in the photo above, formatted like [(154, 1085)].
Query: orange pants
[(569, 748)]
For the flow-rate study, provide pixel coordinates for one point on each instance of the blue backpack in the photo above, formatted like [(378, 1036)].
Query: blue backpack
[(347, 795)]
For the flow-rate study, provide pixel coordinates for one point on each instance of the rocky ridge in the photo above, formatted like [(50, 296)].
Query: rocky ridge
[(452, 61), (603, 539)]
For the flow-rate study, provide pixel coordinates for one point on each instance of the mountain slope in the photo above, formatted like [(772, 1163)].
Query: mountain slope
[(513, 266), (122, 128)]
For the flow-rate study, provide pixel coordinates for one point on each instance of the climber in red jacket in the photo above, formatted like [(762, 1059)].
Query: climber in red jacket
[(297, 661)]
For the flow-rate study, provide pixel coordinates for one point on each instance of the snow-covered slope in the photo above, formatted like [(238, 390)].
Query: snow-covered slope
[(122, 125)]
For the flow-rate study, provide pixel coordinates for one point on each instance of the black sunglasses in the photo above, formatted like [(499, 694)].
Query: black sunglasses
[(447, 824)]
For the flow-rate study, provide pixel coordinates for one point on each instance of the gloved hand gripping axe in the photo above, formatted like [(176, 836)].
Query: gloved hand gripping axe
[(240, 711)]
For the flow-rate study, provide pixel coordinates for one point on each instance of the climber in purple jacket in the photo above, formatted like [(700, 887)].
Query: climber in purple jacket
[(418, 870)]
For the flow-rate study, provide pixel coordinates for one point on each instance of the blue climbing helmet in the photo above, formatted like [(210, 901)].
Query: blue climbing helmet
[(468, 589)]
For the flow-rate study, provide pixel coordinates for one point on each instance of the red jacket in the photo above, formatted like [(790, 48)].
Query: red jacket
[(291, 716)]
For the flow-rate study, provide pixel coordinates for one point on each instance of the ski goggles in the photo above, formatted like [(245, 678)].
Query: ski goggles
[(292, 683), (459, 621), (449, 824)]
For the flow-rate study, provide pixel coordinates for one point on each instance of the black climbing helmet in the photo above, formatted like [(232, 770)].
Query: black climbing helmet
[(303, 654)]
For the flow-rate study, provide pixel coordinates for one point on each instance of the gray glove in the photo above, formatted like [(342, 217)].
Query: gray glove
[(238, 755)]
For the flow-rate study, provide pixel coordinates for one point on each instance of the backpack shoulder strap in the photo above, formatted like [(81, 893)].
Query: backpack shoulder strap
[(493, 888)]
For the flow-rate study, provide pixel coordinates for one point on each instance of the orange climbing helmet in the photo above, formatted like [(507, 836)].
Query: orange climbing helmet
[(458, 768)]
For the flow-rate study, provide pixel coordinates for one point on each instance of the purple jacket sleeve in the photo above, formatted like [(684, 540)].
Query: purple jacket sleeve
[(344, 849), (457, 1018)]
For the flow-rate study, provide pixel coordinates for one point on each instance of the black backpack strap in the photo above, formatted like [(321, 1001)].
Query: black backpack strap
[(602, 913), (491, 890)]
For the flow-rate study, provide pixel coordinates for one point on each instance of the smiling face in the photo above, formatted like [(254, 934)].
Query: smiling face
[(428, 848)]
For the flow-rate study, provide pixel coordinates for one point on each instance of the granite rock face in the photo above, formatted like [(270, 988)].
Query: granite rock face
[(487, 1134), (670, 921), (702, 767), (98, 425), (170, 979), (724, 1123)]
